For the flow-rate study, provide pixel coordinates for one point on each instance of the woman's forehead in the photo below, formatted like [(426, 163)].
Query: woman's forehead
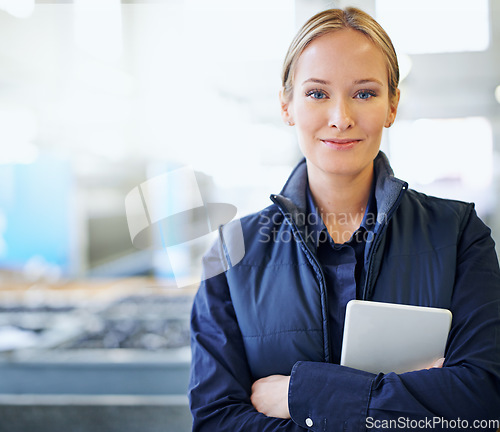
[(343, 53)]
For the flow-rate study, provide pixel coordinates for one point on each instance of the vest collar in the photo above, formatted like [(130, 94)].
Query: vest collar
[(292, 199)]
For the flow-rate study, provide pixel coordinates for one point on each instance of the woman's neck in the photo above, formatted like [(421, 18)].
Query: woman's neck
[(341, 200)]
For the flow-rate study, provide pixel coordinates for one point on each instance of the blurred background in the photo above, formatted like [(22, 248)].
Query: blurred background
[(98, 97)]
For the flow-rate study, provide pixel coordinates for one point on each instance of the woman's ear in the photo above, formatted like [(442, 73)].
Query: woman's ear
[(285, 109), (393, 109)]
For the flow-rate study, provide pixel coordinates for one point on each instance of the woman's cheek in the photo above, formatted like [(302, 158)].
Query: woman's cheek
[(374, 120), (309, 118)]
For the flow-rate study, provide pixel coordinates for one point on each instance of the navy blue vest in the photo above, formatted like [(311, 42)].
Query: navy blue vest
[(277, 288)]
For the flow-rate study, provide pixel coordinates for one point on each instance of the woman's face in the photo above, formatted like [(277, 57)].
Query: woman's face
[(340, 102)]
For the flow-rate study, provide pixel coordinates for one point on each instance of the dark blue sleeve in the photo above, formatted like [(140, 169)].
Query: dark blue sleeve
[(220, 382), (466, 389)]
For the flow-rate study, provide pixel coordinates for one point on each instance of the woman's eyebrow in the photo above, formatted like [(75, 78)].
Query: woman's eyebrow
[(368, 80), (316, 80)]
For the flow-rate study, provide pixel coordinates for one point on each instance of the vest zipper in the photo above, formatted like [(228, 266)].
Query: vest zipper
[(319, 275), (378, 239)]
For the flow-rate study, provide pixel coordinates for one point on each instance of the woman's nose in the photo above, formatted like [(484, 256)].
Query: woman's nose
[(340, 116)]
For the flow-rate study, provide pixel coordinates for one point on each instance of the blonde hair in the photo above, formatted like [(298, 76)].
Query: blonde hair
[(333, 20)]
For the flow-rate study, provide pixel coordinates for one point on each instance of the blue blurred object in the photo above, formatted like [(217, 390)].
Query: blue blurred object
[(35, 207)]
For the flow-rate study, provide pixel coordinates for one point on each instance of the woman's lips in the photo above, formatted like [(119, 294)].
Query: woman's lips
[(341, 144)]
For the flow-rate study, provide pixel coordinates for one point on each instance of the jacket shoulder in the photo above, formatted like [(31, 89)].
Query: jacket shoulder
[(241, 239), (269, 215), (435, 209)]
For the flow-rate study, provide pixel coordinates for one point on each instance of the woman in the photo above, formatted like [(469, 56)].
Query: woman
[(266, 334)]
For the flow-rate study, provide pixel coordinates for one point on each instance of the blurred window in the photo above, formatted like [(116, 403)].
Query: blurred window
[(429, 26), (451, 158)]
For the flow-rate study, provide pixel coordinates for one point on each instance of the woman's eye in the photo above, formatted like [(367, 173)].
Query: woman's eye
[(316, 94), (365, 94)]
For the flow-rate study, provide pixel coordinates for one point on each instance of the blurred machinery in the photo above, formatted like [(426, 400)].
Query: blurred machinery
[(103, 356)]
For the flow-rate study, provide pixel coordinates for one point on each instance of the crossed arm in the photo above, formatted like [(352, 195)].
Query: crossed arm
[(270, 394), (225, 398)]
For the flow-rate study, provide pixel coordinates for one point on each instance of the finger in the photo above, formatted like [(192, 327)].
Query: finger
[(438, 363)]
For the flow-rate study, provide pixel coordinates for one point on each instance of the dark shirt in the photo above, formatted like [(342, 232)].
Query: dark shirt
[(342, 265)]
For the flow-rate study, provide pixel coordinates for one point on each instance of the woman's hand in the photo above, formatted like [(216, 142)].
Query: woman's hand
[(270, 396), (437, 364)]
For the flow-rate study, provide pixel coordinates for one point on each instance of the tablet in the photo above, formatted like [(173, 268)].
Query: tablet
[(387, 337)]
